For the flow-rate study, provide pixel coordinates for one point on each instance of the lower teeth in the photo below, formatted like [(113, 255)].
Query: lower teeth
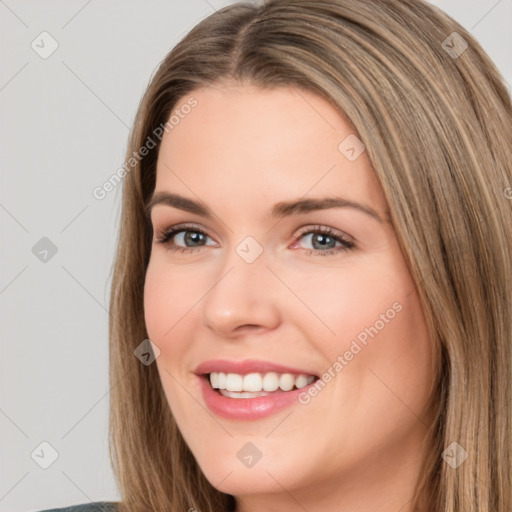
[(246, 394)]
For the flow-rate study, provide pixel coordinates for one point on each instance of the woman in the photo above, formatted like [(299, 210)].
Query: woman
[(378, 135)]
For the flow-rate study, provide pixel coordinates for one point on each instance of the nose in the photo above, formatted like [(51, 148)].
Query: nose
[(242, 298)]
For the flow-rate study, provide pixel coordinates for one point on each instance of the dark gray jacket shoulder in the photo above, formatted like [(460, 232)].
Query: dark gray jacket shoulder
[(96, 506)]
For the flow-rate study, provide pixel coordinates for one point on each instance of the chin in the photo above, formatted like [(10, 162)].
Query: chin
[(240, 481)]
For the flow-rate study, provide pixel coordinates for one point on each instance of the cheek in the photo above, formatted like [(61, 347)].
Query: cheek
[(154, 301), (167, 298), (164, 306), (350, 300), (392, 371), (376, 322)]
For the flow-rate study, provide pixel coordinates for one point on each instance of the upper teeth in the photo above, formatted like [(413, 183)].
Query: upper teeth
[(258, 381)]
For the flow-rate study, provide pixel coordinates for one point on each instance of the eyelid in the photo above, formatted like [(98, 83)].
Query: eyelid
[(345, 242), (325, 229), (182, 226), (311, 228)]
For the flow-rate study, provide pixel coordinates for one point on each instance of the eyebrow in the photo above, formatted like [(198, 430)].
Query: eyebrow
[(280, 210)]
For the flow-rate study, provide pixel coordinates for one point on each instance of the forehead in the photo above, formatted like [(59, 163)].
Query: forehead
[(245, 116), (268, 143)]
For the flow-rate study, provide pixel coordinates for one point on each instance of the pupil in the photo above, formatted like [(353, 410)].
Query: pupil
[(322, 238), (193, 237)]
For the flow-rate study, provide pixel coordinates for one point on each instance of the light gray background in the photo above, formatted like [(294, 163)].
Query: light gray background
[(65, 122)]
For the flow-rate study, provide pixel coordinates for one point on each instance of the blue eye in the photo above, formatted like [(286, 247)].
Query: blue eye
[(167, 235), (323, 236), (329, 241)]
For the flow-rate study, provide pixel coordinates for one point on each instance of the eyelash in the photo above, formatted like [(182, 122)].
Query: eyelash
[(166, 235)]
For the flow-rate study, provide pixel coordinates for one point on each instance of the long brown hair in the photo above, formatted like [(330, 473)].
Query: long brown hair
[(435, 116)]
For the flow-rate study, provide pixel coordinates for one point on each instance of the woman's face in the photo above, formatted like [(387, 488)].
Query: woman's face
[(253, 286)]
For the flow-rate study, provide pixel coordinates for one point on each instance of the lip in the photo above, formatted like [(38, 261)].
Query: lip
[(247, 366), (247, 408)]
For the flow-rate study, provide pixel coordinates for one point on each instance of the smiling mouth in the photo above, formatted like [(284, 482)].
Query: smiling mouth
[(253, 385)]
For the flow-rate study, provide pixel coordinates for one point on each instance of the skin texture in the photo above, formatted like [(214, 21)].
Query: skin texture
[(356, 445)]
